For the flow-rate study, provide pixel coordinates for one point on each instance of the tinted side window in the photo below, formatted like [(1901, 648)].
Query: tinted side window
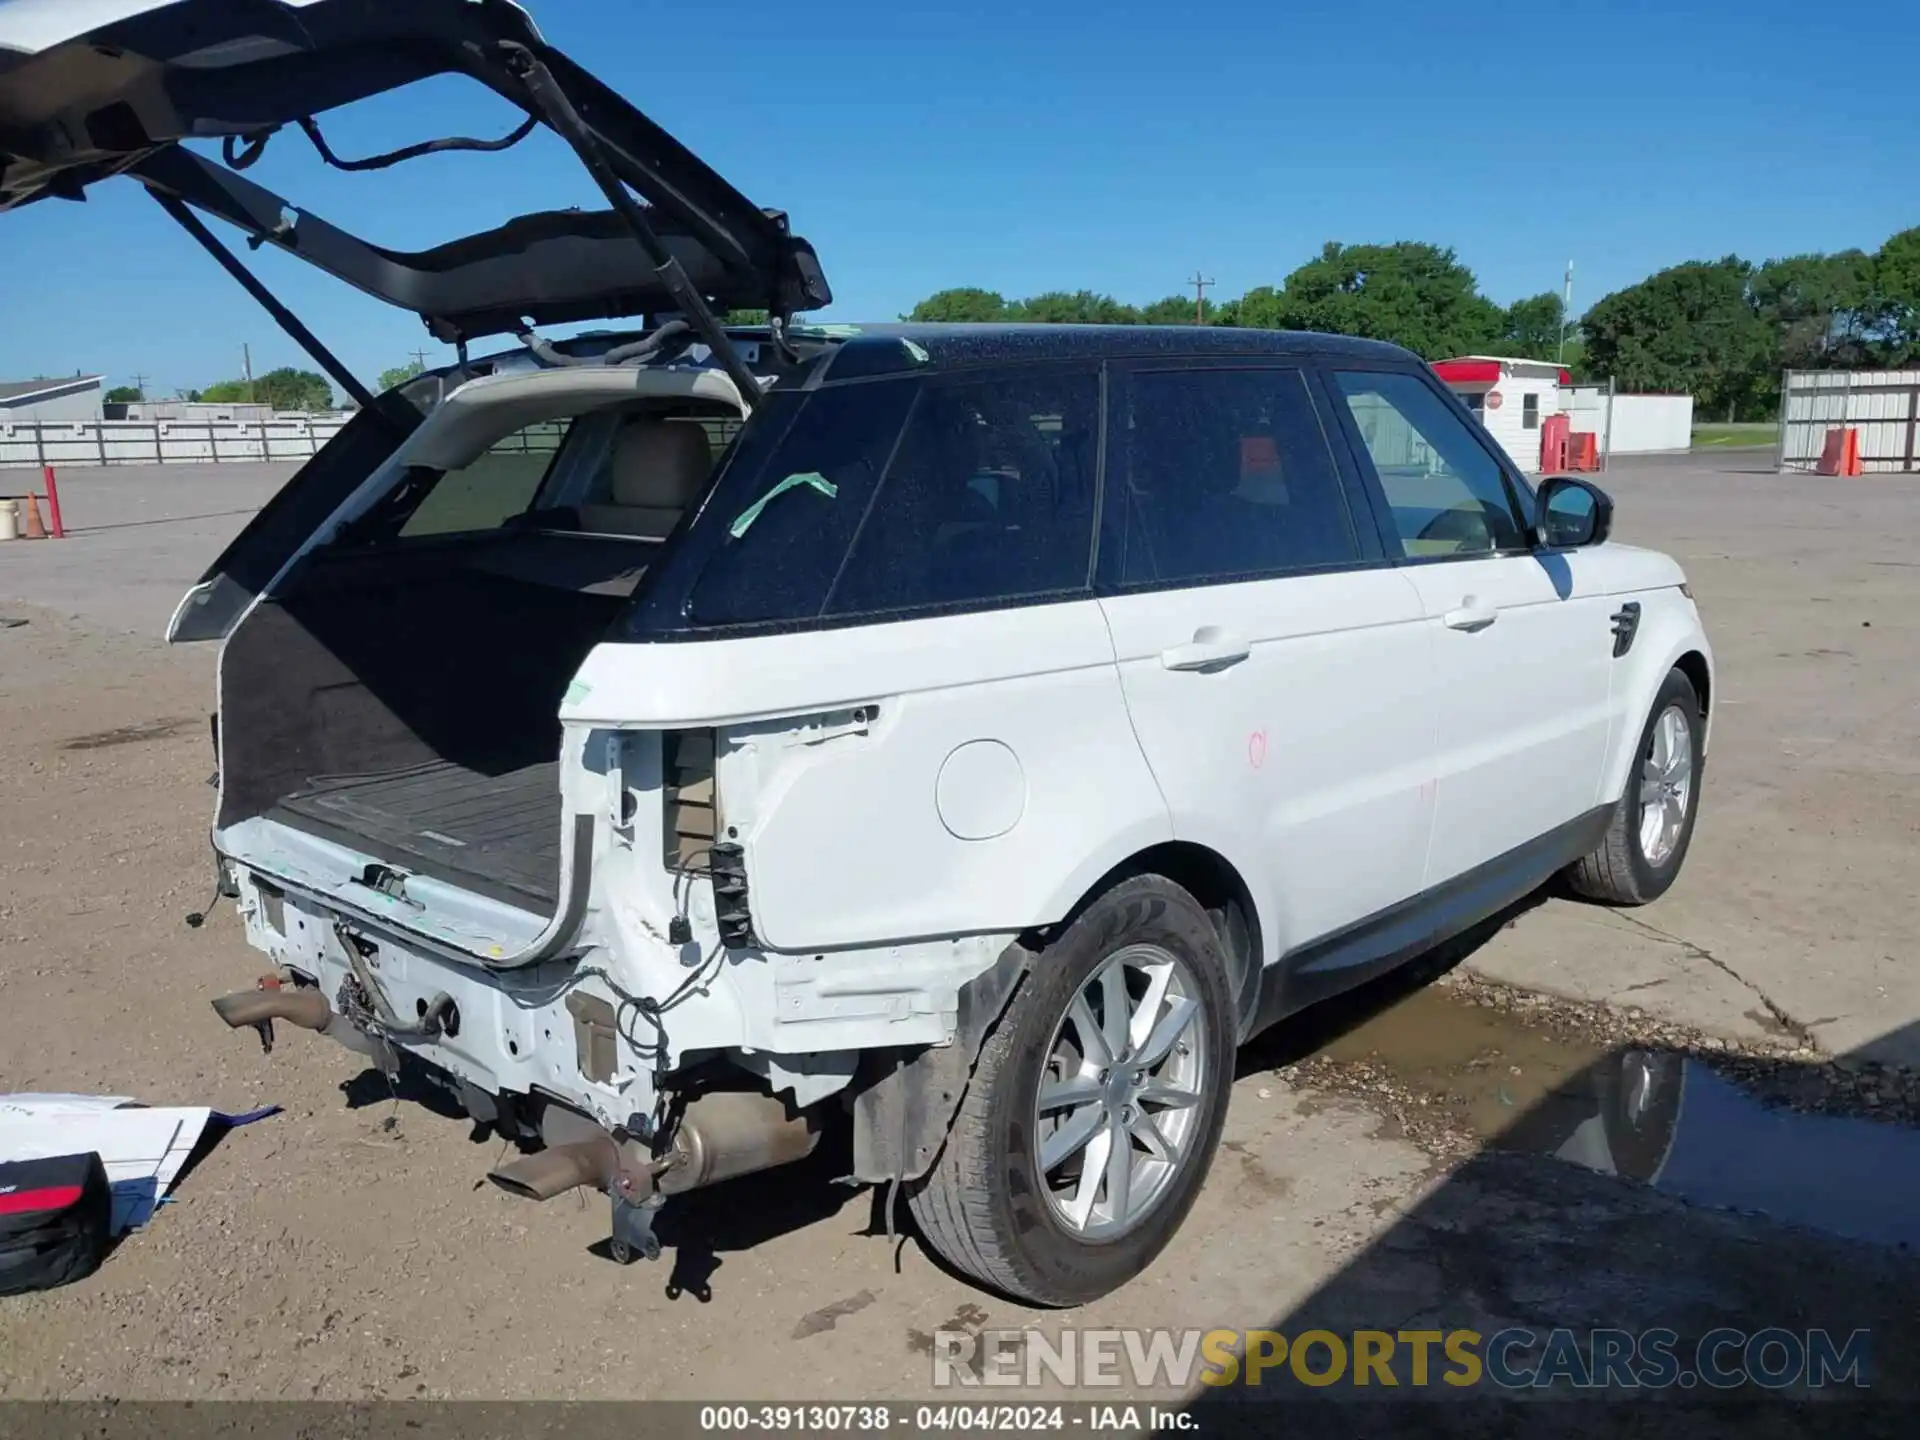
[(781, 520), (1218, 473), (989, 497), (1446, 492)]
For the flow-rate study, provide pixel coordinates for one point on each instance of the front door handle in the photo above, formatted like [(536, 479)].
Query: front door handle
[(1210, 649), (1470, 615)]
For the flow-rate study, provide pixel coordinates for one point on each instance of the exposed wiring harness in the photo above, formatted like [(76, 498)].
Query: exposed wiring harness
[(647, 346), (242, 151)]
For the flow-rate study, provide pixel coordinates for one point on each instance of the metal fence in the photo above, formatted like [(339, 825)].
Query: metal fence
[(1883, 405), (165, 442)]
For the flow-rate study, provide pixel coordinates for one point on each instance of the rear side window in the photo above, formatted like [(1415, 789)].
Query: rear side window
[(780, 528), (908, 494), (989, 497), (1217, 474)]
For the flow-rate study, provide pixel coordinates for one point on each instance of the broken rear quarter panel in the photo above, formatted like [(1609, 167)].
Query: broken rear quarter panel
[(997, 775)]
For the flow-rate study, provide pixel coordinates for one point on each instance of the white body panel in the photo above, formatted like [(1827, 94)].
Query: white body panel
[(1301, 764), (996, 781), (1521, 713)]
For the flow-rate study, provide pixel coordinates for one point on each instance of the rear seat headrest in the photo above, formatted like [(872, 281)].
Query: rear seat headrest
[(660, 464)]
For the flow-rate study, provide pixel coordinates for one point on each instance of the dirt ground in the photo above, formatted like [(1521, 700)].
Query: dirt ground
[(349, 1248)]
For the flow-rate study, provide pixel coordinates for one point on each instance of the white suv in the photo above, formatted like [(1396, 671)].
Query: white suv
[(670, 743)]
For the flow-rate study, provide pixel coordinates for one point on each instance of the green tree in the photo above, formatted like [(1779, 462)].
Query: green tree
[(1688, 329), (746, 317), (1076, 307), (124, 394), (1410, 293), (1815, 307), (283, 389), (400, 374), (1177, 310), (1892, 318), (965, 304), (1531, 328)]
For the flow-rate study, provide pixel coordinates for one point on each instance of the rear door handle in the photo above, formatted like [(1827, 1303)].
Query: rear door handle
[(1471, 615), (1210, 649)]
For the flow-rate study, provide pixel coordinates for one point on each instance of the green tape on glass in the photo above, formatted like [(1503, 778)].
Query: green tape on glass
[(812, 479)]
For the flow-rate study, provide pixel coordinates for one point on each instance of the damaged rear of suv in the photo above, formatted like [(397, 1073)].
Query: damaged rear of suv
[(675, 742), (524, 782)]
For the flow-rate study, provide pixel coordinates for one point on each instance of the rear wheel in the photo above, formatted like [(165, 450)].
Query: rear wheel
[(1647, 841), (1096, 1105)]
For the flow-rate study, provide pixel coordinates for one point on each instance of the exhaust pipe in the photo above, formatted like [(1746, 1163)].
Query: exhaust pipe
[(722, 1135), (304, 1006), (560, 1168)]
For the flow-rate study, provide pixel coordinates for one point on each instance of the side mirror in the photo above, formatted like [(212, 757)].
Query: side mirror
[(1570, 513)]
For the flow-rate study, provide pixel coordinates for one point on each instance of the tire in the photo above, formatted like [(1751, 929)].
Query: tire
[(988, 1208), (1623, 870)]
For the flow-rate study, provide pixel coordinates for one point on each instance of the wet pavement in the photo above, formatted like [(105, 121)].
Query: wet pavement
[(1694, 1213), (1701, 1130)]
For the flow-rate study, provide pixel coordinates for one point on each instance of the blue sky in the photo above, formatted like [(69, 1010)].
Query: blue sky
[(1113, 145)]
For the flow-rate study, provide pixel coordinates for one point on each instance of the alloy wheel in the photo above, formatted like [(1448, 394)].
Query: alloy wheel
[(1118, 1111)]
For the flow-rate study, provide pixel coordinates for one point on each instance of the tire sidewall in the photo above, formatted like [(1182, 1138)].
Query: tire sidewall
[(1062, 1265), (1652, 881)]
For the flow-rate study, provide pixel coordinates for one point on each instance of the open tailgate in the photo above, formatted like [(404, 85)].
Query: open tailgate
[(91, 89)]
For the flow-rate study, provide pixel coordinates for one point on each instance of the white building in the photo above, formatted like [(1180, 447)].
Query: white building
[(29, 402), (1510, 397), (1629, 424)]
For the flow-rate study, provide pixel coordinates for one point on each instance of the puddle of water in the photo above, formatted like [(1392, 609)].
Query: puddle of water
[(1651, 1116)]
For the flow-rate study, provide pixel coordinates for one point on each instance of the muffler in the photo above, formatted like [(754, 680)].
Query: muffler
[(722, 1135), (729, 1133)]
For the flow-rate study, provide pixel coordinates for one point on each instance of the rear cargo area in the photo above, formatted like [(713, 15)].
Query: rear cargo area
[(403, 703), (498, 834)]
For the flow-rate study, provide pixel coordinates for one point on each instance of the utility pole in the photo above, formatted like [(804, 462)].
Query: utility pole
[(1200, 283), (246, 368), (1566, 309), (140, 385), (419, 358)]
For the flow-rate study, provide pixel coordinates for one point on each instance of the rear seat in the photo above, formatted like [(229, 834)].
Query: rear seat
[(654, 471)]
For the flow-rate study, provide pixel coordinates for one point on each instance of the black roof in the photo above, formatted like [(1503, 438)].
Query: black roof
[(877, 349)]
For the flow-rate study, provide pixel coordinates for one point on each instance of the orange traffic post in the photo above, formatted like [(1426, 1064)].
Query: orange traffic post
[(53, 505)]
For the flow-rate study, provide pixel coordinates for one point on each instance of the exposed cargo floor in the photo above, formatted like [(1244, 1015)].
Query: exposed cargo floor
[(497, 835)]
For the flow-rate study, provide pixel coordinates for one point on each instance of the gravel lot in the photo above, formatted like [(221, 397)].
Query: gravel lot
[(348, 1248)]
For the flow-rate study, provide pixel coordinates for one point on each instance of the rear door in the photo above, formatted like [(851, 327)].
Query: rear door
[(1522, 674), (1275, 666)]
